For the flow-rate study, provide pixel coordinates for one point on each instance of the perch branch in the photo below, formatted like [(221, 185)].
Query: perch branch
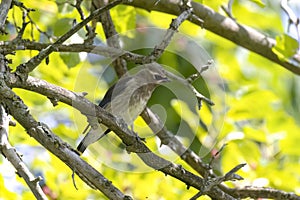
[(122, 131), (54, 144)]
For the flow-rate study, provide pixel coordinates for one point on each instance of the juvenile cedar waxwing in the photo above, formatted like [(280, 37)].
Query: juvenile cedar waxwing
[(127, 99)]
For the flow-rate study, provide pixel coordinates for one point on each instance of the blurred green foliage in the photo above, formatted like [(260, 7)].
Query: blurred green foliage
[(258, 117)]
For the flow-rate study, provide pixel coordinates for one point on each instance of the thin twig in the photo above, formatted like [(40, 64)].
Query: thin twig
[(159, 49), (90, 31), (216, 154), (198, 95), (293, 19), (242, 35), (211, 183), (25, 68), (228, 9)]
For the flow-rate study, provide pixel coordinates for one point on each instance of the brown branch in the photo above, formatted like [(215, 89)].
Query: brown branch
[(71, 98), (112, 37), (293, 19), (160, 48), (117, 125), (55, 145), (167, 138), (241, 35), (90, 31), (258, 192), (4, 8), (10, 47), (25, 68), (12, 156)]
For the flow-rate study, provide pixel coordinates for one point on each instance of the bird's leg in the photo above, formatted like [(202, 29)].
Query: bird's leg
[(137, 136)]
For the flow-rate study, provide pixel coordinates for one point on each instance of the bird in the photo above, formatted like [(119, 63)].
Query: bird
[(126, 99)]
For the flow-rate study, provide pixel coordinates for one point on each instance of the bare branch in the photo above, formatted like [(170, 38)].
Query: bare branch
[(200, 97), (112, 37), (293, 19), (214, 182), (54, 144), (12, 156), (128, 137), (4, 8), (159, 49), (90, 31), (24, 69), (168, 138), (258, 192), (242, 35)]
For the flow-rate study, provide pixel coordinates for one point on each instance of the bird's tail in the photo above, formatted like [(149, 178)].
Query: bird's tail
[(90, 138), (81, 147)]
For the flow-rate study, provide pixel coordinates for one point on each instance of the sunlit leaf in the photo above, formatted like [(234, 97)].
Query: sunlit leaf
[(70, 59), (285, 47), (126, 15), (247, 105), (65, 7), (255, 134), (62, 26)]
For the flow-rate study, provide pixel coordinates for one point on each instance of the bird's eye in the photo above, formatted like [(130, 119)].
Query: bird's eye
[(158, 77)]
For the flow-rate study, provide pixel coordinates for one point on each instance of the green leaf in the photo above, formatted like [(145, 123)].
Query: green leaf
[(255, 134), (70, 59), (62, 26), (285, 47), (124, 18)]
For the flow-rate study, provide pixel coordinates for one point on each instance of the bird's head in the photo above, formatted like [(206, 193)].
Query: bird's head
[(152, 73)]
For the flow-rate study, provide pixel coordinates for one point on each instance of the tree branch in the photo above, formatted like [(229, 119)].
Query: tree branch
[(258, 192), (73, 99), (25, 68), (4, 8), (160, 48), (225, 27), (119, 127), (112, 37), (12, 156), (54, 144)]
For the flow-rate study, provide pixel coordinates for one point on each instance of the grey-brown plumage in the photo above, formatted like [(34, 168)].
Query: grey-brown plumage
[(127, 99)]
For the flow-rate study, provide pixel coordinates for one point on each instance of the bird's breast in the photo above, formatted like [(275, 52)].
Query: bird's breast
[(131, 104)]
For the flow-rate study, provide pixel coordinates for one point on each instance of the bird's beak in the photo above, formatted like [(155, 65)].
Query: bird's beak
[(161, 79), (164, 79)]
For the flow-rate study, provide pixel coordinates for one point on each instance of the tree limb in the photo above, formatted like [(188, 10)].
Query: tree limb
[(12, 156), (112, 37), (25, 68), (160, 48), (4, 8), (73, 99), (258, 192), (241, 35), (117, 125), (54, 144)]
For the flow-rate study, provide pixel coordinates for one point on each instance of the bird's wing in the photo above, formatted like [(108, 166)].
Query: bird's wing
[(115, 90)]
